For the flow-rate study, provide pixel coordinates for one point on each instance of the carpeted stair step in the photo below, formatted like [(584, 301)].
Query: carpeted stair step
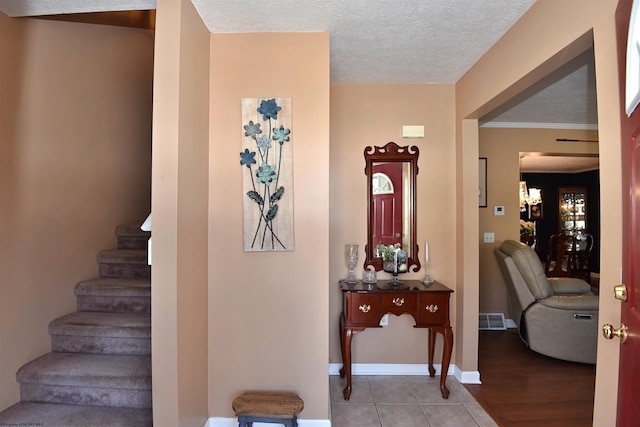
[(56, 415), (87, 379), (105, 333), (130, 263), (132, 237), (114, 295)]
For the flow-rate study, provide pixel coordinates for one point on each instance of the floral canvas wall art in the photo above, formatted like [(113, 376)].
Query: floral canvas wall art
[(267, 170)]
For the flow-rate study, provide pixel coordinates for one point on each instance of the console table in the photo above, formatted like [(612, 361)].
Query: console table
[(363, 305)]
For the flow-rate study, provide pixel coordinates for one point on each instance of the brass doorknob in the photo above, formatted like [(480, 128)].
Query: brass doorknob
[(609, 332)]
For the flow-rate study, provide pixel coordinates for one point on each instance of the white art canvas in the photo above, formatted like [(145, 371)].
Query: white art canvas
[(267, 172)]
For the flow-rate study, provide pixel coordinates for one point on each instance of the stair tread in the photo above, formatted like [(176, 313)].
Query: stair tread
[(58, 415), (131, 230), (124, 325), (132, 256), (89, 370), (114, 287)]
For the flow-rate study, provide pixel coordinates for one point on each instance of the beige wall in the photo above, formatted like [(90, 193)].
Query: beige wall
[(550, 34), (371, 115), (282, 334), (180, 197), (75, 114), (501, 147), (268, 325)]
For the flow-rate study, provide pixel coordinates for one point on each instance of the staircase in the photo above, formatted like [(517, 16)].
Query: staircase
[(99, 370)]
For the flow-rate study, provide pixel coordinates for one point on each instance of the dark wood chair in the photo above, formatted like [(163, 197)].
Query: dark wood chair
[(529, 240), (583, 247), (560, 261)]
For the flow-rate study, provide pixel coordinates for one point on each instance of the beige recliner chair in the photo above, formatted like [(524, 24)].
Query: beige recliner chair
[(557, 317)]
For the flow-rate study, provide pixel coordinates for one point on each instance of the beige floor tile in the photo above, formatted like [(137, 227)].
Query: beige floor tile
[(404, 401), (389, 393), (354, 415), (387, 378), (360, 392), (421, 378), (460, 391), (402, 416), (429, 393), (449, 416)]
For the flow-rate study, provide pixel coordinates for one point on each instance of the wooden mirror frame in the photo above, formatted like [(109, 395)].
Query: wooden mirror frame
[(391, 152)]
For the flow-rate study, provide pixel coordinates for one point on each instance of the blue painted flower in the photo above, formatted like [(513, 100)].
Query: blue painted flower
[(266, 173), (281, 134), (252, 129), (247, 158), (269, 109), (263, 142)]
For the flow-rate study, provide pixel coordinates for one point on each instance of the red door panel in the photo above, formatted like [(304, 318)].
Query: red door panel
[(387, 211), (628, 384)]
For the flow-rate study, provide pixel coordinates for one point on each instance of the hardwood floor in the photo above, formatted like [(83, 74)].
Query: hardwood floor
[(521, 388)]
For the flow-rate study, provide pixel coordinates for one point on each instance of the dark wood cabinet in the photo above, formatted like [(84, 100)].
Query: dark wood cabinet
[(572, 210)]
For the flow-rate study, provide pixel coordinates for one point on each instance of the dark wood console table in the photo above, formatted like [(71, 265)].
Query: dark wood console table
[(363, 305)]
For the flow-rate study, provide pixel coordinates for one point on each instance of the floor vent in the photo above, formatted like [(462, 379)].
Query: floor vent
[(492, 322)]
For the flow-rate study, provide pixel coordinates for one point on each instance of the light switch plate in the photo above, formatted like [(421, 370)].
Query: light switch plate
[(498, 210)]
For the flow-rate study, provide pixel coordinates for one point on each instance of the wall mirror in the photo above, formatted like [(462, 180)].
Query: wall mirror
[(391, 201)]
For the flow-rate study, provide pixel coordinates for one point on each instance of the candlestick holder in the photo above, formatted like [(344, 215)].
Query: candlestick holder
[(396, 265), (394, 279), (427, 280)]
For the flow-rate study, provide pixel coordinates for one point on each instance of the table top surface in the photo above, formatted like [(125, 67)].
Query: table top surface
[(385, 286)]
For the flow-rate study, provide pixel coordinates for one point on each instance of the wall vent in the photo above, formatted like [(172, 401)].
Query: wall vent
[(492, 322)]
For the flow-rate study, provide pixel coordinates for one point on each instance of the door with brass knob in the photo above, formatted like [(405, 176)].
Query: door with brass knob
[(628, 405)]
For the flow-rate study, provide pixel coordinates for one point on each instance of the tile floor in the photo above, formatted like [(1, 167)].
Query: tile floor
[(404, 401)]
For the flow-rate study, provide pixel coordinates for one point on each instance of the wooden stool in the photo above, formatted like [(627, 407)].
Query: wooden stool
[(267, 407)]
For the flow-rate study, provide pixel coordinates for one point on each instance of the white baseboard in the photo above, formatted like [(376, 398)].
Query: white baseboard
[(465, 377), (233, 422), (387, 369)]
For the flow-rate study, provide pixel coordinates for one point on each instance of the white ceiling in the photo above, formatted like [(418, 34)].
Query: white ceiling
[(549, 163), (400, 41)]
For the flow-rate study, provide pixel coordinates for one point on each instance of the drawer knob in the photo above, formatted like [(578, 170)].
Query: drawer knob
[(398, 301), (364, 308), (432, 308)]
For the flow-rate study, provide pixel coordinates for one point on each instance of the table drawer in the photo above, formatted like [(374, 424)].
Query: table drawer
[(399, 303), (364, 309), (433, 309)]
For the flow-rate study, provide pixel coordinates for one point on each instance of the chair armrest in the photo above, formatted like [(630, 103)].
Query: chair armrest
[(569, 285), (572, 302)]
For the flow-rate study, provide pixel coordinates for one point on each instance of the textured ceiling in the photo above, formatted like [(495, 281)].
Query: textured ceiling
[(565, 98), (401, 41)]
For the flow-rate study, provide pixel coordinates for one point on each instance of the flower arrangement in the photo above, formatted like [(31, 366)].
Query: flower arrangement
[(266, 191), (387, 253), (394, 258), (527, 227)]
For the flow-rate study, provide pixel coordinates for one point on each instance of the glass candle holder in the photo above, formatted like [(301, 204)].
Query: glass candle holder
[(351, 259)]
